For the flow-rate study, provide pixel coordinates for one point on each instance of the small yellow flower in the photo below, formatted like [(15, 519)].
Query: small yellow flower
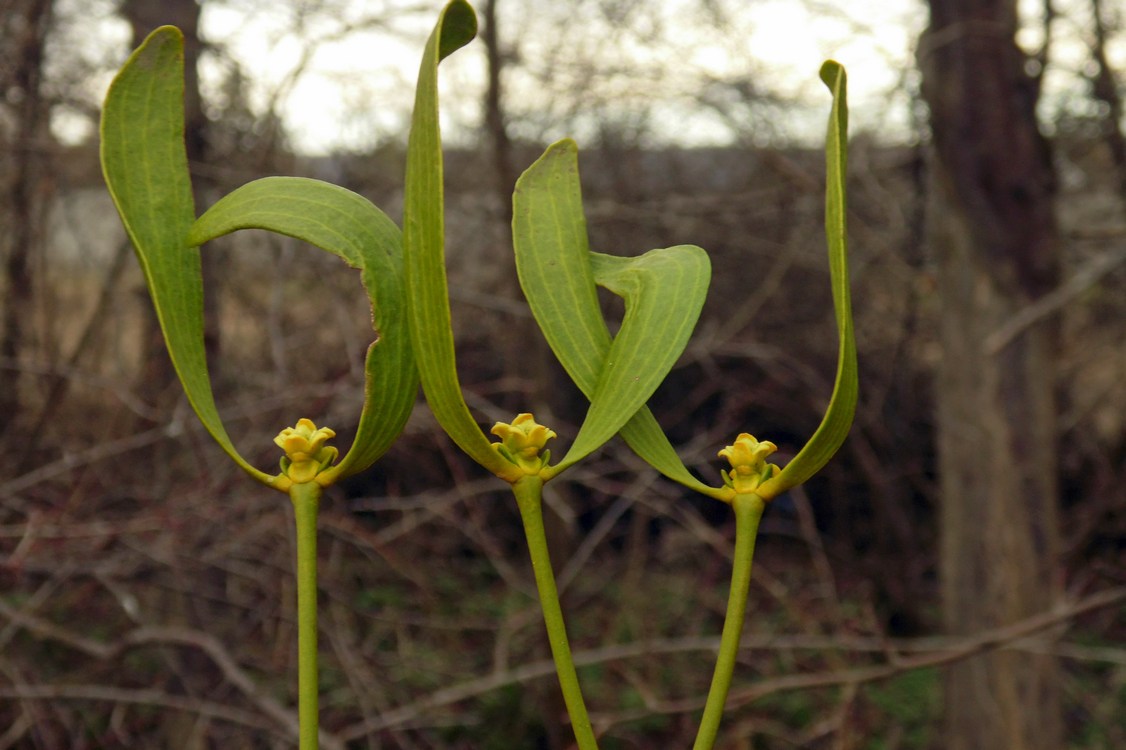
[(306, 454), (522, 441), (749, 468)]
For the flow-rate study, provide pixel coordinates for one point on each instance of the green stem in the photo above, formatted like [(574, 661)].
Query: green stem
[(306, 499), (748, 512), (529, 496)]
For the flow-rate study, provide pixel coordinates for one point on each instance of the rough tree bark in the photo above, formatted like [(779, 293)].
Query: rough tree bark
[(23, 33), (1104, 88), (994, 231), (496, 128)]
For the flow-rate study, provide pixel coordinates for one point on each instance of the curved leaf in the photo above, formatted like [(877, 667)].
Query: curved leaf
[(428, 303), (834, 427), (558, 273), (146, 169), (664, 291), (349, 226)]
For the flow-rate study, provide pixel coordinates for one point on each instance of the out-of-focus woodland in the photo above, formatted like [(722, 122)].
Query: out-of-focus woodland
[(955, 578)]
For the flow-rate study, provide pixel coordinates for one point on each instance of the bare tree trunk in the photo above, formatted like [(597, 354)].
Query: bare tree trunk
[(994, 230), (23, 32), (495, 126), (1104, 87)]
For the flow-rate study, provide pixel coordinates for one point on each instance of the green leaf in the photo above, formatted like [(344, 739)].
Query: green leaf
[(349, 226), (146, 169), (428, 302), (558, 277), (559, 273), (664, 291), (830, 435)]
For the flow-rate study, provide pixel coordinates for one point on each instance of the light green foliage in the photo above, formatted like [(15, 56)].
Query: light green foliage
[(424, 246), (146, 169), (557, 273), (559, 277), (145, 165), (347, 225), (663, 290), (830, 435)]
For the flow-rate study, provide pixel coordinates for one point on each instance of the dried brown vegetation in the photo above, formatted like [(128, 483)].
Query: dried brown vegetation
[(145, 590)]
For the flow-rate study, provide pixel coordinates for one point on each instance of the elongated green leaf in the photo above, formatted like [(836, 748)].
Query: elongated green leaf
[(428, 302), (830, 435), (146, 169), (347, 225), (558, 274), (664, 291), (558, 279)]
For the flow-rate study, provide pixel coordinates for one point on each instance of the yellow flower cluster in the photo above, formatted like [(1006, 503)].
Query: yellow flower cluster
[(306, 454), (522, 442), (749, 468)]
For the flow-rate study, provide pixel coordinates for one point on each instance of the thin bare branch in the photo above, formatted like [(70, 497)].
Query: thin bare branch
[(936, 652)]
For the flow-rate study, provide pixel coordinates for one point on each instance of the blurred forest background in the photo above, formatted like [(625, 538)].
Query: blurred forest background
[(953, 579)]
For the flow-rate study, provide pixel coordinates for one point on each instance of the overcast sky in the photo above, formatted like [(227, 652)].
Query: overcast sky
[(345, 80), (360, 86)]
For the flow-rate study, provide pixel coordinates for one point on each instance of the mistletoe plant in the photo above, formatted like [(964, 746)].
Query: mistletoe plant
[(146, 169), (145, 166), (663, 291)]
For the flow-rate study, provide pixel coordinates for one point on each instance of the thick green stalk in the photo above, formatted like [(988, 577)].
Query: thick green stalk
[(306, 499), (748, 512), (529, 496)]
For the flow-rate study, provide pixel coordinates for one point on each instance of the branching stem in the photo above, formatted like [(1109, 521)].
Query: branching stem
[(529, 496), (748, 512), (306, 499)]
